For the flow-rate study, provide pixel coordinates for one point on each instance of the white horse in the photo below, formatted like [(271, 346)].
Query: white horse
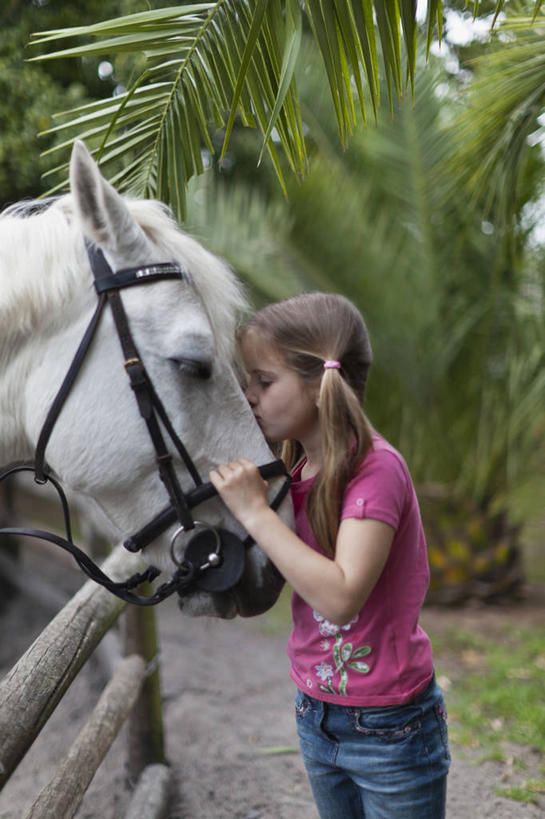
[(183, 329)]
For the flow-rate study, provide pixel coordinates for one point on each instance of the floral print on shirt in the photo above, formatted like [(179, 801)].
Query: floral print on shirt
[(345, 656)]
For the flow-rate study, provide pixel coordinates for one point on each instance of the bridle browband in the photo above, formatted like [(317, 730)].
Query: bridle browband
[(214, 559)]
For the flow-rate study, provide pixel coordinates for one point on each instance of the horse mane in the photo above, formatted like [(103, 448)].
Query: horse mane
[(38, 235)]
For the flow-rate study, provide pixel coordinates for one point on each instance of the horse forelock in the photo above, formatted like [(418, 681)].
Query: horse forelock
[(221, 293), (43, 270)]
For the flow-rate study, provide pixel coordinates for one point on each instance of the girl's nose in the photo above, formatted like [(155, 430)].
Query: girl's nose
[(250, 396)]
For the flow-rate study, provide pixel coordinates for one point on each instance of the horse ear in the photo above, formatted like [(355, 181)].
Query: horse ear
[(105, 217)]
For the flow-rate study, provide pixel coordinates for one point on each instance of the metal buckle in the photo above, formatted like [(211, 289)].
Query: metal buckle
[(130, 361)]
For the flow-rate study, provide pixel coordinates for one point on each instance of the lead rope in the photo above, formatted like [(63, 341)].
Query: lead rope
[(60, 398), (182, 577)]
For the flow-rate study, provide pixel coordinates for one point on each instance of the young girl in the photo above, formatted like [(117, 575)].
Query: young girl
[(370, 716)]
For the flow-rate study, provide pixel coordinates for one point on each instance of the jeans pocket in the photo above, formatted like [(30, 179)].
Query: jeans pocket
[(388, 725), (302, 705)]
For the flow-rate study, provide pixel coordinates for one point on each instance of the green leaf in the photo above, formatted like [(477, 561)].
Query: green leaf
[(324, 27), (337, 651), (363, 651), (250, 45), (346, 651), (408, 19), (343, 683), (433, 16), (365, 26), (289, 58), (138, 21), (362, 668)]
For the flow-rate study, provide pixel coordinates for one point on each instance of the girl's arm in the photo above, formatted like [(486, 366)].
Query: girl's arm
[(338, 588)]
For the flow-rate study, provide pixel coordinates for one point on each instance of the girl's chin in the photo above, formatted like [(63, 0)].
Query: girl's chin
[(270, 437), (273, 441)]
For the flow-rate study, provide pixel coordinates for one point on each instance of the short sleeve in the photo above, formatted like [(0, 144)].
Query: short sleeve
[(379, 490)]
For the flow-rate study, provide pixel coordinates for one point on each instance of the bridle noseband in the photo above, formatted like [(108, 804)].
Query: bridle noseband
[(214, 558)]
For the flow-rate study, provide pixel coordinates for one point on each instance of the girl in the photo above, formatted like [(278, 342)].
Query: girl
[(370, 716)]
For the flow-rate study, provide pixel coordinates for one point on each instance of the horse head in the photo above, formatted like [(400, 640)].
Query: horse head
[(183, 328)]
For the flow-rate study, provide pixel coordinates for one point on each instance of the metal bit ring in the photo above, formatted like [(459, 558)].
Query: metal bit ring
[(213, 558)]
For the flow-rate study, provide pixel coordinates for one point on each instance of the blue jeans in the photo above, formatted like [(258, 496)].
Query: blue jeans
[(377, 763)]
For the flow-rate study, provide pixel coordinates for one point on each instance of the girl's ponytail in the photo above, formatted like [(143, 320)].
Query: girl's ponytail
[(346, 439)]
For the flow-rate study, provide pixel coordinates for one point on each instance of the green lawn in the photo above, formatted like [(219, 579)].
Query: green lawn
[(495, 693)]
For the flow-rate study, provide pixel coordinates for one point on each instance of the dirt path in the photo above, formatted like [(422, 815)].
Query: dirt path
[(228, 709)]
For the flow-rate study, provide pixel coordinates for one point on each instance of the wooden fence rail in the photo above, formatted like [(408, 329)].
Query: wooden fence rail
[(35, 685), (63, 795)]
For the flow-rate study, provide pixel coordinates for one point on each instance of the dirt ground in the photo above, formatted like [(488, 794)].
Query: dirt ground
[(230, 733)]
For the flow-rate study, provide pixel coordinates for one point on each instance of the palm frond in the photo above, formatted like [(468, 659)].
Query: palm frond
[(209, 63), (503, 103)]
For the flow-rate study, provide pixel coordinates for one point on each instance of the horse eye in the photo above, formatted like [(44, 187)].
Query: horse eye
[(196, 368)]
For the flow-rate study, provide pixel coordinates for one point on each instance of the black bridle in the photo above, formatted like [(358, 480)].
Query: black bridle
[(214, 558)]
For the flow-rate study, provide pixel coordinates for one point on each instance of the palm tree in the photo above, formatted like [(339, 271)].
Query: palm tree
[(456, 315)]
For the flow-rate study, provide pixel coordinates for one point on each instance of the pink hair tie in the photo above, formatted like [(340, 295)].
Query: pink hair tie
[(332, 365)]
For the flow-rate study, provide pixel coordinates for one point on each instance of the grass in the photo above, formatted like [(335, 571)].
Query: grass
[(498, 692), (523, 793), (277, 621), (495, 695)]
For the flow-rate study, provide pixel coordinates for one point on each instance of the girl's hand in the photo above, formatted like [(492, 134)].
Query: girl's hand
[(241, 487)]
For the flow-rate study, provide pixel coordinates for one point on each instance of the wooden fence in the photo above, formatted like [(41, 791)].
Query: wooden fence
[(33, 688)]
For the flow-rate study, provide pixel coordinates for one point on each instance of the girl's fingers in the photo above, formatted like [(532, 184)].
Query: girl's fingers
[(233, 472), (224, 470), (233, 467), (245, 462)]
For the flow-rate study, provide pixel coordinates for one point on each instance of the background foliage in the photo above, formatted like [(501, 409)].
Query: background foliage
[(423, 218), (31, 94)]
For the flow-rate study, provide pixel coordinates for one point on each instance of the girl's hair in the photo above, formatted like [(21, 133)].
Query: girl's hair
[(308, 330)]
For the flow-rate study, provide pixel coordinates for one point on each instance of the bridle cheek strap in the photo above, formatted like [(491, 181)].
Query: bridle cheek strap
[(147, 399)]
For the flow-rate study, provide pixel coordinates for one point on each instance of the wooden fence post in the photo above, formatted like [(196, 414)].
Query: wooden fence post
[(64, 793), (150, 798), (10, 544), (145, 739), (33, 688)]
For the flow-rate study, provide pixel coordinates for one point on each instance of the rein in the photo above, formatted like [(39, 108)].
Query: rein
[(214, 558)]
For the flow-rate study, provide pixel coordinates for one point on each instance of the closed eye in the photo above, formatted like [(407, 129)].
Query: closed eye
[(194, 367)]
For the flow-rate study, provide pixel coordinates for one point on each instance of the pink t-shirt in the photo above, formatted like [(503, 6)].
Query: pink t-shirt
[(382, 657)]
